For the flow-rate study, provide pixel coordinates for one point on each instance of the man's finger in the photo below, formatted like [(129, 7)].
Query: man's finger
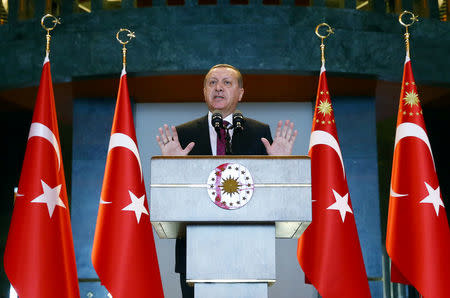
[(289, 130), (278, 131), (266, 144), (292, 140), (163, 135), (167, 131), (160, 143), (189, 148), (285, 128)]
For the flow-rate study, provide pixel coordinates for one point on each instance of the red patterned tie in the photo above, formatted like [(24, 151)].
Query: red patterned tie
[(221, 139)]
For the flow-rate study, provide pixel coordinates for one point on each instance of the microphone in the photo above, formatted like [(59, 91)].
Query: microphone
[(217, 121), (238, 121)]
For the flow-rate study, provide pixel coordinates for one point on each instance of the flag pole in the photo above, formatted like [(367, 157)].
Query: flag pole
[(329, 31), (55, 22), (409, 22), (122, 208), (130, 36)]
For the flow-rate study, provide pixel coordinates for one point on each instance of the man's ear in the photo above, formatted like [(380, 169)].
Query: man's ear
[(241, 93)]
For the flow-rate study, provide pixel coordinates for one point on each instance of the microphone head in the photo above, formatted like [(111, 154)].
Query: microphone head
[(237, 113), (216, 120), (238, 120)]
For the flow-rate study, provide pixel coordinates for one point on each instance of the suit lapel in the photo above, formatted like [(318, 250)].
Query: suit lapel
[(204, 143), (239, 142)]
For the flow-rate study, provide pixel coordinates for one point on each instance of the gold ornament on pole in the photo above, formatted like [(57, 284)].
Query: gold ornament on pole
[(130, 36), (329, 31), (55, 22), (408, 23)]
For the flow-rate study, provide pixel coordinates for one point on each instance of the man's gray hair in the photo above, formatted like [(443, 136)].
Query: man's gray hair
[(239, 75)]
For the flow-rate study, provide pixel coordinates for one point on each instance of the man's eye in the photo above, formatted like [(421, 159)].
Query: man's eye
[(212, 83), (228, 83)]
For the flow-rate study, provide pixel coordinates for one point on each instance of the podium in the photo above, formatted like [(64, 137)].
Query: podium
[(230, 209)]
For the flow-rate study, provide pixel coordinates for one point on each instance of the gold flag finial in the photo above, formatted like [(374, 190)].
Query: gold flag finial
[(55, 22), (329, 31), (130, 36), (408, 23)]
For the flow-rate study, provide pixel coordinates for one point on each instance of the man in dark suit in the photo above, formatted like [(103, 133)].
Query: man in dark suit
[(246, 142), (222, 89)]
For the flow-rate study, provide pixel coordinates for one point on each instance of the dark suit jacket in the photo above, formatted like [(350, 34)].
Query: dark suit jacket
[(247, 142)]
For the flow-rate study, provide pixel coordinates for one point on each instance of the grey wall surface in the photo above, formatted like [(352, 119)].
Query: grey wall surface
[(290, 278), (355, 120), (91, 131)]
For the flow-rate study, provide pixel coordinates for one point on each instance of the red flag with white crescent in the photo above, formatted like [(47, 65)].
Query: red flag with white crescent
[(39, 256), (329, 251), (124, 253), (418, 236)]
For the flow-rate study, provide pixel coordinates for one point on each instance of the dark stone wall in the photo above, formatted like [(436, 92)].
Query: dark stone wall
[(256, 38), (17, 123)]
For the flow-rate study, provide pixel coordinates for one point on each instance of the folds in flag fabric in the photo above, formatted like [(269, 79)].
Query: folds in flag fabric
[(39, 258), (124, 254), (418, 236), (329, 251)]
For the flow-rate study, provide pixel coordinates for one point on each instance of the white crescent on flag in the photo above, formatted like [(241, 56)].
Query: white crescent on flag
[(40, 130), (104, 202), (122, 140), (320, 137), (396, 195), (408, 129)]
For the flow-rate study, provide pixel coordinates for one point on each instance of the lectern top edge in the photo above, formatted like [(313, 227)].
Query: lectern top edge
[(222, 157)]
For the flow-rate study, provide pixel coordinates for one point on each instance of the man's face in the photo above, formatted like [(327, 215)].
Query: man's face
[(222, 91)]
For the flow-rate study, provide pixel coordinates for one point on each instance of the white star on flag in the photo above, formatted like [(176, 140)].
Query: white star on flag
[(137, 206), (50, 197), (341, 205), (434, 197)]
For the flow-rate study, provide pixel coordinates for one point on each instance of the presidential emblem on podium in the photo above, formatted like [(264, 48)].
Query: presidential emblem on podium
[(230, 186)]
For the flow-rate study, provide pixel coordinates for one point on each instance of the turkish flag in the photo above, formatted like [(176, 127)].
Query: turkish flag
[(418, 236), (39, 257), (329, 251), (124, 254)]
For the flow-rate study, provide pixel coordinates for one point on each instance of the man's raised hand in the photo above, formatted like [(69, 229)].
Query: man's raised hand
[(169, 144), (283, 141)]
